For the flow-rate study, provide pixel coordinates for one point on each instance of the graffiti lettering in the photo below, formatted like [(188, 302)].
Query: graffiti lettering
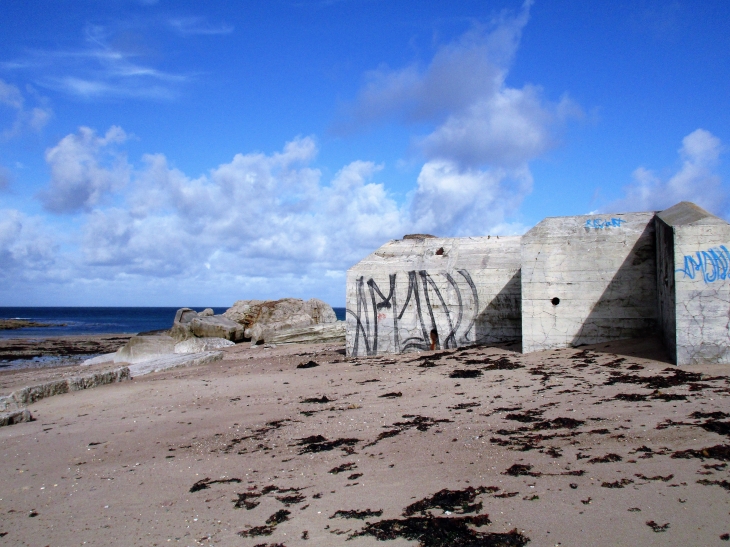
[(425, 307), (600, 224), (712, 264)]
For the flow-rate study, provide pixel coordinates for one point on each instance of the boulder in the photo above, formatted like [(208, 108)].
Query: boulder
[(207, 312), (199, 345), (264, 319), (143, 348), (329, 332), (216, 326), (181, 325)]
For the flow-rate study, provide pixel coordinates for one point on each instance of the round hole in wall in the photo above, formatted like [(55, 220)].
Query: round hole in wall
[(555, 301)]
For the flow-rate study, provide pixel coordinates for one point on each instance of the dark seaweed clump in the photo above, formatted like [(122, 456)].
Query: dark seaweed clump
[(526, 416), (292, 499), (608, 458), (317, 400), (391, 395), (657, 527), (318, 443), (308, 364), (558, 423), (718, 452), (202, 484), (277, 518), (676, 377), (362, 515), (432, 531), (462, 373), (617, 484), (421, 423), (455, 501), (724, 484), (349, 466), (519, 469)]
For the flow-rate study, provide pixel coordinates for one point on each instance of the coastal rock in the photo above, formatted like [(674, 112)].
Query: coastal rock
[(15, 417), (191, 324), (330, 332), (199, 345), (143, 348), (216, 326), (263, 320)]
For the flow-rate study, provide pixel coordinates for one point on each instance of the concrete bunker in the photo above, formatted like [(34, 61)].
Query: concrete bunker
[(423, 292), (588, 279), (693, 274)]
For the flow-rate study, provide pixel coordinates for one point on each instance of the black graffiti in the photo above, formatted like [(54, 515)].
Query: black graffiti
[(422, 296)]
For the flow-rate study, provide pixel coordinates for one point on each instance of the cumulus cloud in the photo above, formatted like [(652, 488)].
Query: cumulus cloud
[(696, 179), (23, 118), (27, 247), (482, 135), (84, 168)]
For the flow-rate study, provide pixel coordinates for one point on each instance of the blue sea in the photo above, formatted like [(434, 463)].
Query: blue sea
[(69, 321)]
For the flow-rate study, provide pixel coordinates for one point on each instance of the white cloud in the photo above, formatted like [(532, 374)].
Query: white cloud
[(482, 135), (696, 179), (84, 168), (34, 119), (27, 247), (100, 68)]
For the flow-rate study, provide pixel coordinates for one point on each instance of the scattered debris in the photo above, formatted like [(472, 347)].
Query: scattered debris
[(206, 482)]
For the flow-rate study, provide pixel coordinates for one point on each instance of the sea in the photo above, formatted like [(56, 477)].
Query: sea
[(69, 321)]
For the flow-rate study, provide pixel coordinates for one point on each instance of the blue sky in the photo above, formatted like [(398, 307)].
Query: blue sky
[(188, 153)]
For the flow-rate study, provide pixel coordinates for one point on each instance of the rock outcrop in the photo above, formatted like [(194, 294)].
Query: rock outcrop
[(189, 323), (264, 320), (314, 334)]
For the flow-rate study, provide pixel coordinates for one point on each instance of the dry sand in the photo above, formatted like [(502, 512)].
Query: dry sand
[(573, 447)]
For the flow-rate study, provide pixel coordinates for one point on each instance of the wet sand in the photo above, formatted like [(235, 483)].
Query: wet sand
[(599, 445)]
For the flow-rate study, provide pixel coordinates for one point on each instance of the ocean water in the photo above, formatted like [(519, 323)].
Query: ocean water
[(69, 321)]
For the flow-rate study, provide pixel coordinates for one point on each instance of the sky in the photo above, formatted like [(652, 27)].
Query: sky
[(159, 153)]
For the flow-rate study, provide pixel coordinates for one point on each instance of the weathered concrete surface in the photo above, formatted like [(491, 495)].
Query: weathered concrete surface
[(216, 326), (413, 293), (694, 284), (314, 334), (30, 394), (588, 279), (174, 361), (199, 345), (145, 347)]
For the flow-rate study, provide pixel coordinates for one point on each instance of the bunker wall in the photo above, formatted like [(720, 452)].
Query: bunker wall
[(464, 290), (588, 279)]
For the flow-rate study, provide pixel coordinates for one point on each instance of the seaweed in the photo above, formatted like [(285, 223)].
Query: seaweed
[(526, 416), (617, 484), (724, 484), (454, 501), (519, 470), (558, 423), (654, 478), (205, 483), (318, 443), (462, 406), (282, 515), (462, 373), (246, 500), (317, 400), (349, 466), (675, 377), (308, 364), (362, 515), (421, 423), (501, 364), (391, 395), (432, 531), (608, 458), (292, 499), (657, 527)]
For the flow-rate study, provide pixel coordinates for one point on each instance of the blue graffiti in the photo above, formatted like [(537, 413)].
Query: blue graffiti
[(712, 264), (600, 224)]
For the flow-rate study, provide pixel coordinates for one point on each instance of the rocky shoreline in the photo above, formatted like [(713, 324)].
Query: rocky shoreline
[(59, 347), (15, 324)]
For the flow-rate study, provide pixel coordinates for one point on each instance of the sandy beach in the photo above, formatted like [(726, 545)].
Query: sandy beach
[(599, 445)]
